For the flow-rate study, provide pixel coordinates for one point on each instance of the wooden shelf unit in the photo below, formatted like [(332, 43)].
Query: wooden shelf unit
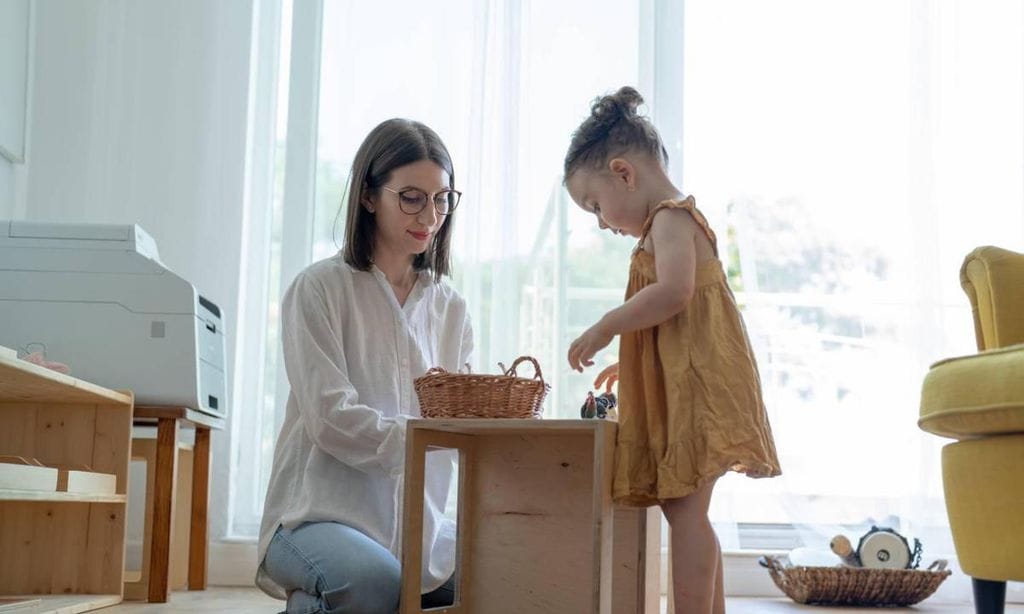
[(537, 530), (66, 549)]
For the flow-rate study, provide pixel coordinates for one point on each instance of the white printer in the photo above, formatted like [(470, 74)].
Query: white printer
[(97, 298)]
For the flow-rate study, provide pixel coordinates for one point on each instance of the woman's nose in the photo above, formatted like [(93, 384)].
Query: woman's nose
[(428, 215), (602, 225)]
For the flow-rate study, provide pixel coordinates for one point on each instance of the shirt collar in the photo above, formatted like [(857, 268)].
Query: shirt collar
[(424, 279)]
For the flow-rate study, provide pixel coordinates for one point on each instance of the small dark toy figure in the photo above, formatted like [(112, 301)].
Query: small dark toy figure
[(599, 406), (589, 409)]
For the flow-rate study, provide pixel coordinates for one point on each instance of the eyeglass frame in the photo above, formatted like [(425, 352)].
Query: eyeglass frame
[(430, 197)]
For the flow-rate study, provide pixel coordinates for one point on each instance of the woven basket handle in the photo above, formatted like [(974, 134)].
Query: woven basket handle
[(536, 367), (775, 569), (443, 371), (771, 562)]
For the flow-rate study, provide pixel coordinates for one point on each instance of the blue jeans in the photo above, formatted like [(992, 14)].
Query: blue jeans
[(330, 568)]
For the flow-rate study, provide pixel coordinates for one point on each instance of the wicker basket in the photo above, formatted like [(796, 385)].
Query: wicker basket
[(857, 586), (469, 395)]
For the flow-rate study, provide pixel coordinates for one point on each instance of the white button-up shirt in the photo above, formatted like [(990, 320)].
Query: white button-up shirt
[(351, 353)]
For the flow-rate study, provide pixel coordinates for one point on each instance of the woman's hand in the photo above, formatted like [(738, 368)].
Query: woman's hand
[(608, 376), (582, 350)]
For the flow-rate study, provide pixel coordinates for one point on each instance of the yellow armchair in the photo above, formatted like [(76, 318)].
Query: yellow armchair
[(978, 400)]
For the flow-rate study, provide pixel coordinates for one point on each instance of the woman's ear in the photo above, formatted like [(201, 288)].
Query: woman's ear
[(366, 200), (623, 172)]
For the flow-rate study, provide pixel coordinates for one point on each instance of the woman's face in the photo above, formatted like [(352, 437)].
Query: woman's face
[(399, 232), (608, 197)]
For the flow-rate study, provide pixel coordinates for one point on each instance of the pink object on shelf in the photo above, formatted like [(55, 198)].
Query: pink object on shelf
[(37, 358)]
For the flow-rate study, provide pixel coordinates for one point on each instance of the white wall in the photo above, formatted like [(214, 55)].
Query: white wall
[(12, 189), (16, 26), (6, 189), (139, 115)]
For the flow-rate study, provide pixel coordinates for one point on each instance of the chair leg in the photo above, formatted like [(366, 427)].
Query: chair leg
[(989, 596)]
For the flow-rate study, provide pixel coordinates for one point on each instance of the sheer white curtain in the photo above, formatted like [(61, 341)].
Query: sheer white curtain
[(504, 82), (848, 153)]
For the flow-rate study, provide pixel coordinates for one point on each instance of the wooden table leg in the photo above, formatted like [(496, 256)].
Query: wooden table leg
[(464, 567), (163, 509), (198, 546), (412, 523), (418, 442), (670, 588)]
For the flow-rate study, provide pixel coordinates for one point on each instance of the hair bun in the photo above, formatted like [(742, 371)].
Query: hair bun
[(613, 127), (623, 104)]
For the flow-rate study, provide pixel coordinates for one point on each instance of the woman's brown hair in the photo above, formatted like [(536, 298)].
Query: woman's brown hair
[(614, 127), (394, 143)]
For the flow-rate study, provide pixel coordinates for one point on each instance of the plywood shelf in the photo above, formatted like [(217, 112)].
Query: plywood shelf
[(64, 548), (59, 497), (23, 381), (536, 528)]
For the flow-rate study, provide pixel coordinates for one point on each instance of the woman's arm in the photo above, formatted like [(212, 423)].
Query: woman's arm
[(328, 403), (673, 236)]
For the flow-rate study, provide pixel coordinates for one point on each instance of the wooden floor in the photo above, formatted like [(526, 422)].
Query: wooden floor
[(252, 601)]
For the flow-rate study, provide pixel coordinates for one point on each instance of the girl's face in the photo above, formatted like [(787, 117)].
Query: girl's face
[(402, 233), (610, 194)]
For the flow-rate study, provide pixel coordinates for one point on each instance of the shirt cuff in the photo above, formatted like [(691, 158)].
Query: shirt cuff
[(392, 449)]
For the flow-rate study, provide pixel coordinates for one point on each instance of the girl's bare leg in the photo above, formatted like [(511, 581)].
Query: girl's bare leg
[(719, 600), (696, 557)]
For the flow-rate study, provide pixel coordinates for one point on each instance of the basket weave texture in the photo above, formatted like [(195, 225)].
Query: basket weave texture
[(857, 586), (443, 394)]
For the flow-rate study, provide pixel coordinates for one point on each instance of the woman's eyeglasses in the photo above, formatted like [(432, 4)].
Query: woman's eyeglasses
[(412, 200)]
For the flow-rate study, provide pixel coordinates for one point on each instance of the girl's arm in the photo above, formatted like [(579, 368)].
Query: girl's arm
[(673, 235), (673, 238)]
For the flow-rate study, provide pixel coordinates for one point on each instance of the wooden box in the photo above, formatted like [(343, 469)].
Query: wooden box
[(537, 529), (64, 548)]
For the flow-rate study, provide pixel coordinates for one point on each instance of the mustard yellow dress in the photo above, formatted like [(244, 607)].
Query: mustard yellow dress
[(690, 404)]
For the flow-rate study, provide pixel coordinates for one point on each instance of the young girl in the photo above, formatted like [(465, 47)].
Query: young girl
[(357, 328), (690, 404)]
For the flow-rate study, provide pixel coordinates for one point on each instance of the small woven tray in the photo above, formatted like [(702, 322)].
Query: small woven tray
[(469, 395), (856, 586)]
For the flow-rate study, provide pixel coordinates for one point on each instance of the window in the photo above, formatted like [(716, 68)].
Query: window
[(851, 154), (848, 154)]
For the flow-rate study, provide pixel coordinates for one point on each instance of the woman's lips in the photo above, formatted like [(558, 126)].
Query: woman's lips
[(422, 236)]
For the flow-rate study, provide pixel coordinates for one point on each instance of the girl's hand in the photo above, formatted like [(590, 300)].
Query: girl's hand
[(581, 352), (610, 375)]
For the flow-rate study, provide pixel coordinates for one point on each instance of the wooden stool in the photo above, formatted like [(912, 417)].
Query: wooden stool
[(535, 520), (162, 518)]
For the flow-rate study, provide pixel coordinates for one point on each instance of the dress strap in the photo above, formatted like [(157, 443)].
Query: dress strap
[(690, 205)]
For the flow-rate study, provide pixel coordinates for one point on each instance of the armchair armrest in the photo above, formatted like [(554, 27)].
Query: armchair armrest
[(993, 279)]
